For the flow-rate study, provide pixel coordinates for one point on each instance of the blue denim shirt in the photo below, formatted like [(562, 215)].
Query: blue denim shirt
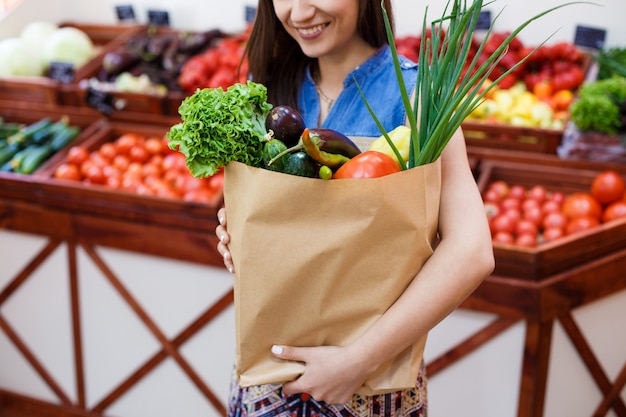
[(349, 115)]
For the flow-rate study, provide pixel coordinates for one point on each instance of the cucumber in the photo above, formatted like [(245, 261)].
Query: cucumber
[(299, 163), (271, 149), (34, 158), (16, 160), (63, 136)]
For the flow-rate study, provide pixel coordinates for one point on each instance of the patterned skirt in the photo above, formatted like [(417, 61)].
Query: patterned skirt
[(268, 401)]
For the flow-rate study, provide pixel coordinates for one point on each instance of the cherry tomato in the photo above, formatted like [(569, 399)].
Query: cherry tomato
[(552, 233), (608, 187), (77, 155), (67, 171), (503, 237), (503, 223), (500, 187), (518, 192), (526, 240), (526, 227), (533, 214), (538, 193), (368, 164), (554, 220)]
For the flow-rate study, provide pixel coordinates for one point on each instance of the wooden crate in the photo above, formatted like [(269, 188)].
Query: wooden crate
[(89, 122), (548, 259), (45, 90), (502, 136)]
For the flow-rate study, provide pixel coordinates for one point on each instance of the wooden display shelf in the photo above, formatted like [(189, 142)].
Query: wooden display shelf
[(502, 136), (561, 254), (44, 90)]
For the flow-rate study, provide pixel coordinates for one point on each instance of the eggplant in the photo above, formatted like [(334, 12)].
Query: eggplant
[(192, 42), (119, 60), (334, 142), (286, 123)]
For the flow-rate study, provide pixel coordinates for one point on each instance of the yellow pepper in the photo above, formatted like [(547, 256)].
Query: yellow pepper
[(401, 138)]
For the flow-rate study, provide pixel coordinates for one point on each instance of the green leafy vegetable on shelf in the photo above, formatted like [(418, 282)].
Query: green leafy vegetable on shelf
[(219, 126), (611, 62), (601, 106)]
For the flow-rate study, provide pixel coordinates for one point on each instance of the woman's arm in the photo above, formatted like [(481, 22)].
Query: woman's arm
[(462, 259)]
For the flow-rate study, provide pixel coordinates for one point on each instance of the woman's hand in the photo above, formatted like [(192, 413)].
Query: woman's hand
[(331, 374), (224, 239)]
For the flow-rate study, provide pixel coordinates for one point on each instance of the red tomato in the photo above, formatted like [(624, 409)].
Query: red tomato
[(608, 187), (77, 155), (557, 196), (503, 223), (552, 233), (538, 193), (555, 220), (500, 187), (513, 213), (526, 240), (503, 237), (580, 224), (368, 164), (491, 209), (581, 204), (67, 171), (533, 214), (550, 206), (526, 227), (616, 210), (517, 191), (510, 203)]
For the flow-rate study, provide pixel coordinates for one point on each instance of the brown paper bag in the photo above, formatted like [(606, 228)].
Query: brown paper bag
[(317, 262)]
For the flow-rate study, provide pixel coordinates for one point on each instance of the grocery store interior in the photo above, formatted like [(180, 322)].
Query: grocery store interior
[(114, 301)]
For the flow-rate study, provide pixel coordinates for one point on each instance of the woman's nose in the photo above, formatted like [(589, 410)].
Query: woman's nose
[(301, 10)]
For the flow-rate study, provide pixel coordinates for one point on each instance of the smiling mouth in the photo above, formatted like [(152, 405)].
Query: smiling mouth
[(311, 31)]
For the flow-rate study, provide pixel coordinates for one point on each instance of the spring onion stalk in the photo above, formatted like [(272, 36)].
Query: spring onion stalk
[(446, 91)]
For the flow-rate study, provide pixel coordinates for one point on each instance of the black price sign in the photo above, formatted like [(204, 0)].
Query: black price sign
[(158, 17), (484, 20), (99, 100), (250, 14), (61, 71), (588, 37), (125, 13)]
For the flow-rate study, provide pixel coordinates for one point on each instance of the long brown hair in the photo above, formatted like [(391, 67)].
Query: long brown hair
[(276, 60)]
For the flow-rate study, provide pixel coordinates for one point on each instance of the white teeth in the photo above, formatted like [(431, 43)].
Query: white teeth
[(311, 31)]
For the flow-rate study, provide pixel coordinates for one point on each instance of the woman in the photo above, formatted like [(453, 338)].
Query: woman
[(309, 53)]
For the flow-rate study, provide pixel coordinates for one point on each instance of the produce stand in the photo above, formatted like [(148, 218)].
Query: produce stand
[(539, 287)]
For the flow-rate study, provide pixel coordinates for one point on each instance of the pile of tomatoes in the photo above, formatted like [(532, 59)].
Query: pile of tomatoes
[(530, 216), (140, 164)]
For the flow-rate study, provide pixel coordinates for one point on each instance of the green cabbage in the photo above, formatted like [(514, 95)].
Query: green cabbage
[(17, 60), (221, 126), (68, 44)]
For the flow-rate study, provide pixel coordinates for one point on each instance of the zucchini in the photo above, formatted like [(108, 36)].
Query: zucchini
[(16, 160), (8, 129), (63, 137), (25, 135), (42, 136), (8, 152), (34, 158), (299, 163)]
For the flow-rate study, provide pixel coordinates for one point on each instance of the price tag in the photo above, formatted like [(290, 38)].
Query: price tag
[(158, 17), (61, 71), (588, 37), (484, 20), (125, 13), (250, 14), (99, 100)]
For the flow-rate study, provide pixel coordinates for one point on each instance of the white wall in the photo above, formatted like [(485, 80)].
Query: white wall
[(229, 16)]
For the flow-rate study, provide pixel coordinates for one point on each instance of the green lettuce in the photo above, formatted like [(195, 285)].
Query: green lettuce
[(219, 126)]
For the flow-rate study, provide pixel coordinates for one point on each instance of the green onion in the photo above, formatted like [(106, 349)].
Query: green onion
[(446, 93)]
